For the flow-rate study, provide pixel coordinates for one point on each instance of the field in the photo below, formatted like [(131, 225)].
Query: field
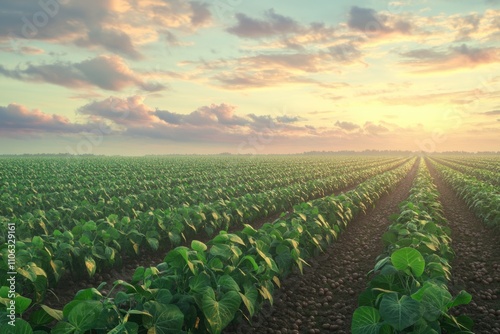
[(250, 244)]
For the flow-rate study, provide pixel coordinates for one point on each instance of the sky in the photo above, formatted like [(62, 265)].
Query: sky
[(130, 77)]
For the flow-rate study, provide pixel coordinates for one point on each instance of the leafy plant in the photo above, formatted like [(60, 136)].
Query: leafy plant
[(408, 292)]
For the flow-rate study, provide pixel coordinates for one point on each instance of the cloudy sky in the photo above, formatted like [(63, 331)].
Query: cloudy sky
[(137, 77)]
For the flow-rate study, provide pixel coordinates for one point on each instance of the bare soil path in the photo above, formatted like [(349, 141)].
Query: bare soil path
[(323, 299), (476, 267)]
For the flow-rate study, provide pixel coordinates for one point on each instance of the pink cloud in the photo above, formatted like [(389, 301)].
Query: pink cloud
[(105, 72), (16, 118)]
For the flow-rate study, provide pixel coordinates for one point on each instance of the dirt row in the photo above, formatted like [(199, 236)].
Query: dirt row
[(323, 299), (476, 267), (65, 291)]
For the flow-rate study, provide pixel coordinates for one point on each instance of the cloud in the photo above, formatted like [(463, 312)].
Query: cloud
[(369, 21), (267, 70), (16, 118), (124, 112), (461, 57), (215, 122), (276, 31), (466, 25), (23, 50), (106, 72), (374, 129), (288, 119), (112, 25), (273, 24), (245, 78), (114, 40), (200, 13), (492, 112), (348, 126), (217, 125)]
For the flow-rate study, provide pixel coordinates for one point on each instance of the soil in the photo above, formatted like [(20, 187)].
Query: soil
[(476, 267), (68, 287), (323, 299)]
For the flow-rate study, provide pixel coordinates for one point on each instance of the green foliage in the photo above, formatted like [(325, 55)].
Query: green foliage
[(409, 289), (482, 197), (204, 287)]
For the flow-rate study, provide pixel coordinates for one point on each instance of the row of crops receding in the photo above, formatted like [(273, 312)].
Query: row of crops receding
[(76, 217), (204, 287), (408, 292), (478, 189), (81, 247)]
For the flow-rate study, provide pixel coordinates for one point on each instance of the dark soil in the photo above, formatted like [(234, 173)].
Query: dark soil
[(67, 288), (476, 267), (323, 299)]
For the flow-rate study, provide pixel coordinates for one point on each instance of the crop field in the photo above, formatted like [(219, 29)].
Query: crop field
[(250, 244)]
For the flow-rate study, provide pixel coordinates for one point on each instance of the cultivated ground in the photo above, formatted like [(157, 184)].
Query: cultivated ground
[(476, 267), (324, 298)]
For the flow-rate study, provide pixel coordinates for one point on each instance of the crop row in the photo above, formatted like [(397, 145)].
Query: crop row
[(98, 202), (204, 287), (479, 173), (408, 292), (86, 246), (115, 177), (481, 197), (491, 164)]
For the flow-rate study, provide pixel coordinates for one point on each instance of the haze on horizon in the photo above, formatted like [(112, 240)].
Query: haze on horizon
[(178, 77)]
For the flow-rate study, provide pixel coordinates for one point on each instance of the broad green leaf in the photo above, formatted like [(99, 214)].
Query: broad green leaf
[(249, 230), (138, 274), (4, 291), (423, 327), (236, 239), (367, 298), (37, 242), (90, 226), (125, 328), (463, 298), (63, 327), (153, 243), (219, 312), (84, 315), (29, 274), (250, 259), (40, 318), (20, 327), (164, 319), (408, 258), (198, 283), (226, 282), (88, 294), (221, 250), (399, 313), (163, 296), (198, 246), (22, 303), (56, 314), (435, 300), (90, 265), (365, 320), (249, 298)]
